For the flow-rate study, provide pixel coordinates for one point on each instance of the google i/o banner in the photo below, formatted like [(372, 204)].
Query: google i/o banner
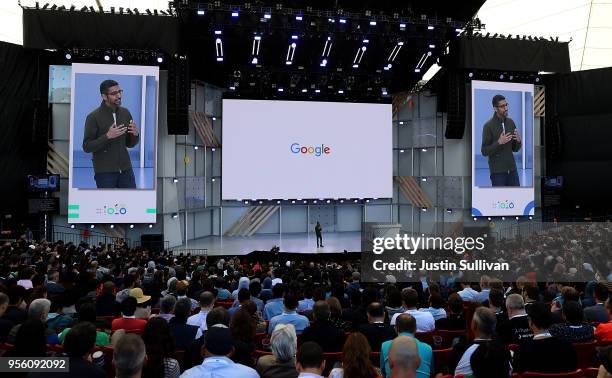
[(306, 149), (502, 149), (113, 137)]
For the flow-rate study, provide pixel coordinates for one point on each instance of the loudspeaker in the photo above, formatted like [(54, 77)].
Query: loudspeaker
[(179, 96), (455, 121)]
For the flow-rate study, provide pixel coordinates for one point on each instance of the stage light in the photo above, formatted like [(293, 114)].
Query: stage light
[(511, 77), (260, 202), (359, 54), (175, 180), (401, 122), (317, 91), (331, 20), (150, 226), (267, 16), (393, 55), (387, 67), (384, 92), (213, 149), (175, 215), (200, 12), (294, 36), (305, 201), (304, 90), (530, 218), (119, 58), (112, 226), (423, 209), (254, 60), (293, 201), (417, 70), (298, 18), (430, 27), (471, 74), (160, 58), (290, 53), (401, 151), (212, 180), (449, 211), (106, 57), (402, 25), (71, 226), (246, 202), (341, 201), (356, 201), (92, 226), (340, 91), (235, 14), (219, 47), (281, 90), (475, 219), (503, 218), (424, 149), (315, 201), (232, 88), (68, 56), (255, 49), (343, 20), (278, 202), (537, 79), (367, 201), (488, 218), (131, 226), (432, 46), (517, 218), (217, 32), (195, 147), (424, 179)]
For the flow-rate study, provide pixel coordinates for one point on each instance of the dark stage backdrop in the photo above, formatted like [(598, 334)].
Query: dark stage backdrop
[(24, 75), (578, 137)]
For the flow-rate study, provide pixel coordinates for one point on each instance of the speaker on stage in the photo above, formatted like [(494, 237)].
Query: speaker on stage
[(179, 96)]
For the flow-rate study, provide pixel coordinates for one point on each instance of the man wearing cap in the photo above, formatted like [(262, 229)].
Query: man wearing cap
[(218, 348)]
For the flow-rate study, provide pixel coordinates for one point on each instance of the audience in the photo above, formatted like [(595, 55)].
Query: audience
[(275, 305), (455, 319), (483, 328), (159, 346), (376, 331), (207, 302), (544, 353), (242, 327), (5, 324), (490, 360), (403, 358), (129, 356), (330, 338), (217, 350), (184, 334), (166, 307), (127, 320), (597, 312), (289, 315), (281, 364), (405, 326), (309, 360), (436, 307), (356, 359), (516, 329), (573, 329), (425, 321), (603, 332), (87, 313)]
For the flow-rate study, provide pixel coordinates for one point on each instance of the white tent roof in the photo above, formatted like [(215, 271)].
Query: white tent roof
[(587, 23)]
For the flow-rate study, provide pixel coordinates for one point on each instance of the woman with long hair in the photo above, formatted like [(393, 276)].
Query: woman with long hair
[(356, 362), (159, 345), (242, 327)]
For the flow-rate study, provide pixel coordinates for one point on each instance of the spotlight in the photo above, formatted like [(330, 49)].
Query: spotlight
[(160, 58), (112, 226), (195, 147), (92, 226), (293, 201), (315, 201), (175, 180), (367, 201), (278, 202), (219, 47), (430, 27), (304, 90), (298, 18), (150, 226), (235, 14), (175, 215), (340, 91), (356, 201), (450, 211), (290, 53), (281, 90), (517, 218), (342, 20), (501, 77), (402, 151), (471, 74), (212, 149), (267, 16), (119, 58), (68, 56), (424, 179), (424, 209), (213, 179), (341, 201), (106, 57), (424, 149), (200, 12), (384, 92), (131, 226), (317, 91), (71, 226), (402, 25), (475, 219), (488, 218), (372, 23)]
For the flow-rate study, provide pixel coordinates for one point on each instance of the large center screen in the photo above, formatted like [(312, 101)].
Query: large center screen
[(306, 149), (113, 134), (502, 149)]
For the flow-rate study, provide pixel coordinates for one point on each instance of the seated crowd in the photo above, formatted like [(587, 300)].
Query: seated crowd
[(160, 315)]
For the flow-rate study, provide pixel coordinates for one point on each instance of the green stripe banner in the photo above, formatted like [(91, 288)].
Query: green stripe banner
[(73, 207), (151, 211), (71, 215)]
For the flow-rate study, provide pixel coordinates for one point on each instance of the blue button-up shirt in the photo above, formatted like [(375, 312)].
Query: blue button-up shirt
[(300, 322), (273, 307), (220, 367)]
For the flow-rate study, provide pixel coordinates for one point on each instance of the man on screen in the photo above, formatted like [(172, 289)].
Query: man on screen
[(109, 132), (500, 138)]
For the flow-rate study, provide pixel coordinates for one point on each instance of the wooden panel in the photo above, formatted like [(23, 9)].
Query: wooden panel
[(251, 221), (204, 129), (539, 102), (413, 192), (57, 163)]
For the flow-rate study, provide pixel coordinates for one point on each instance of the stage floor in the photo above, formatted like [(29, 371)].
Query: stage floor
[(292, 243)]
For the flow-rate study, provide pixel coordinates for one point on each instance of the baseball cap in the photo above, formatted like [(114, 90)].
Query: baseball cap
[(139, 295)]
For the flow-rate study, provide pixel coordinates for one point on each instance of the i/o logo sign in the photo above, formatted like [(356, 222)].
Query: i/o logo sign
[(507, 204), (117, 209)]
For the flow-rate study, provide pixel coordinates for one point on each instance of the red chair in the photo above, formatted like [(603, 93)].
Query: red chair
[(425, 337), (55, 348), (586, 354), (375, 358), (513, 347), (572, 374), (591, 372), (604, 343), (225, 304), (444, 338), (330, 359), (5, 347), (259, 337), (443, 359), (108, 360), (258, 353), (136, 331), (155, 310)]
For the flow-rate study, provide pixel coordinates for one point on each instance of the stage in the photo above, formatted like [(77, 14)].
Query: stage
[(303, 243)]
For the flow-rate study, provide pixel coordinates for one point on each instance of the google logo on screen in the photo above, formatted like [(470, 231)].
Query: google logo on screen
[(321, 150)]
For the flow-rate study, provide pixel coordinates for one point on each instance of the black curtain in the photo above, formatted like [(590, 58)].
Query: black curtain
[(578, 138), (24, 75)]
